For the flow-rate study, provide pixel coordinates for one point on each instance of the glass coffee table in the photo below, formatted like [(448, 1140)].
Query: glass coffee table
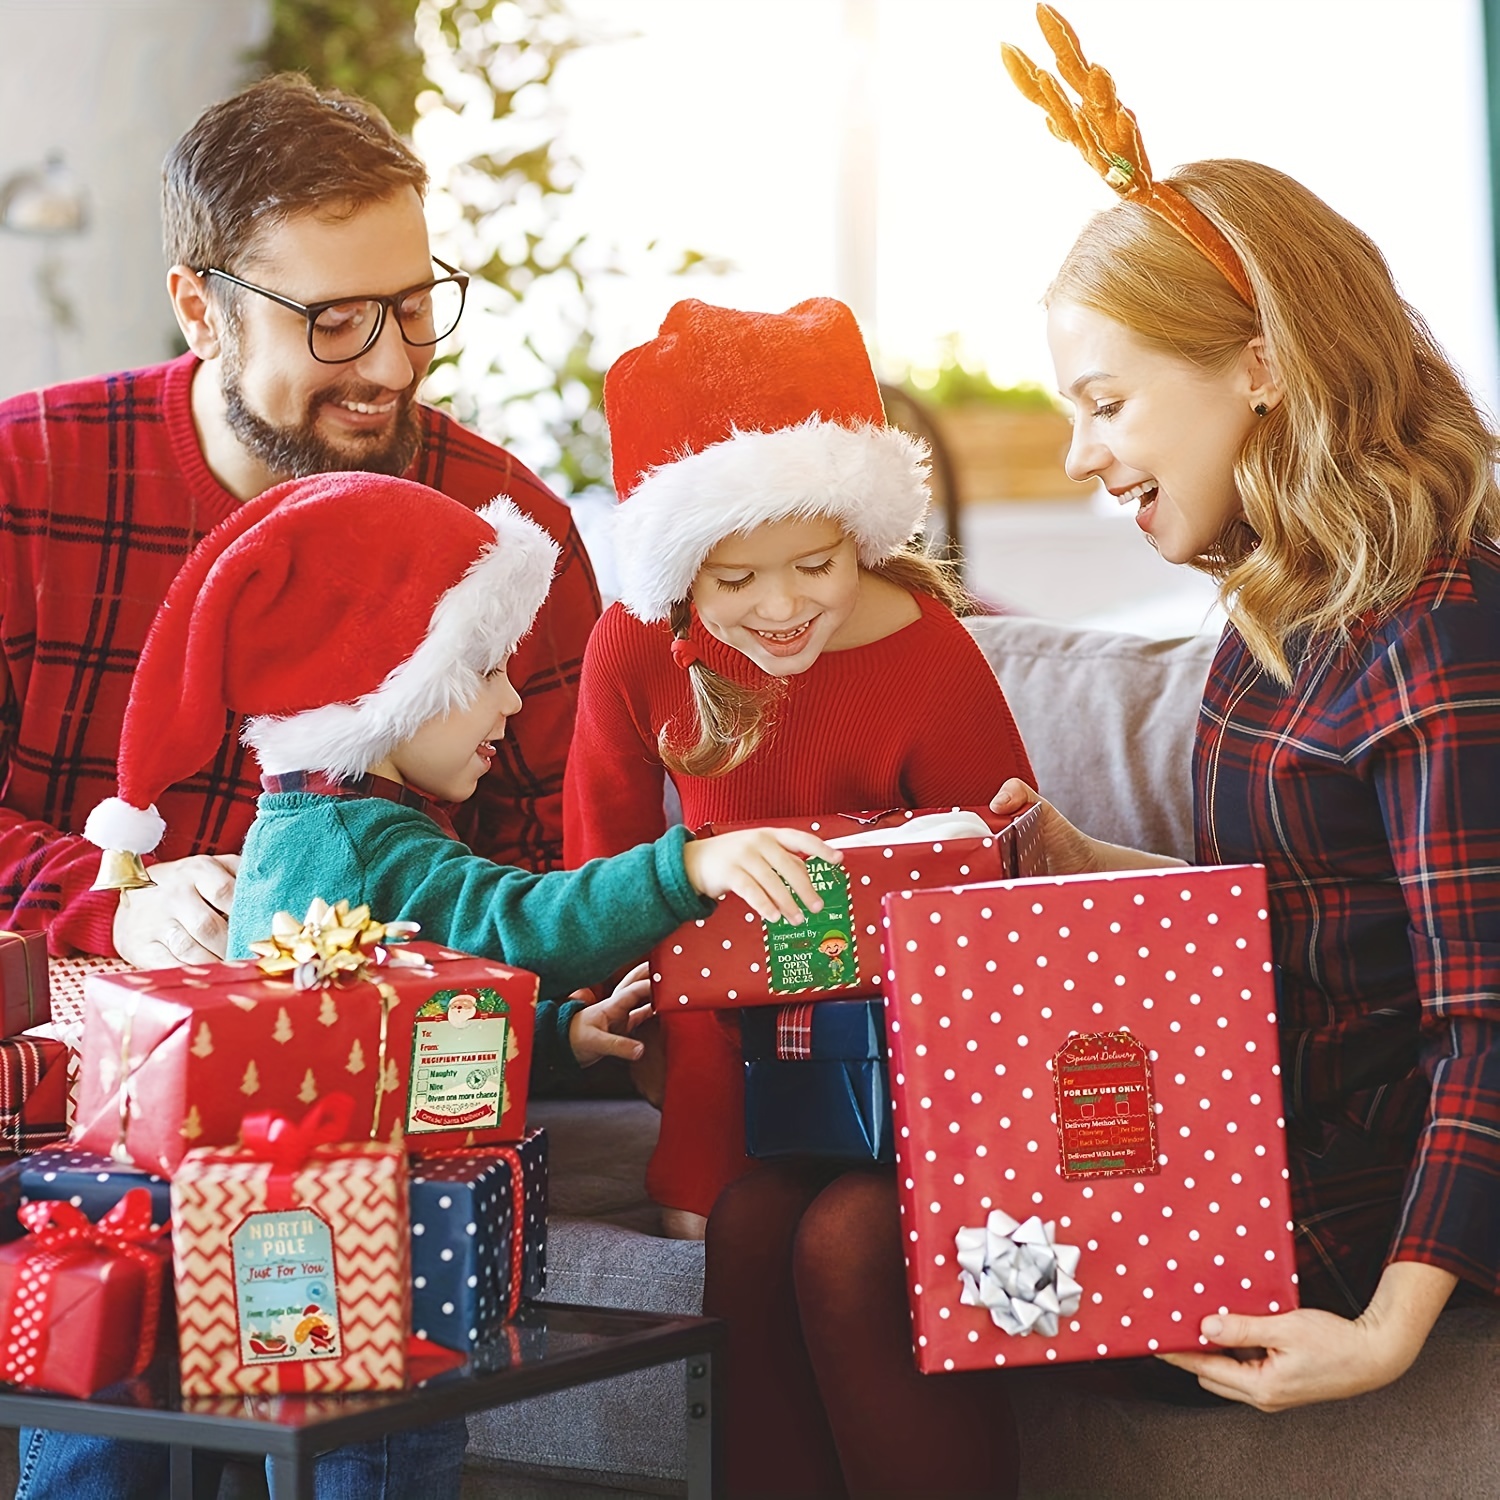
[(547, 1347)]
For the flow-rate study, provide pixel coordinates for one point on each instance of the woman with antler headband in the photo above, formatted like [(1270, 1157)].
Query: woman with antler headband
[(1243, 369)]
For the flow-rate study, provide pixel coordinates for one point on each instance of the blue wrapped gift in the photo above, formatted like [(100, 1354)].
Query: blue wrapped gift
[(475, 1224), (85, 1179), (816, 1081)]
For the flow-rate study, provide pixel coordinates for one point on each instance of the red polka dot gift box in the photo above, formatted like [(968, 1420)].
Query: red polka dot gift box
[(1090, 1144), (733, 958)]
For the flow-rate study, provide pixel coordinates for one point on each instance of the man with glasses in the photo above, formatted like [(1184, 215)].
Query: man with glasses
[(303, 284)]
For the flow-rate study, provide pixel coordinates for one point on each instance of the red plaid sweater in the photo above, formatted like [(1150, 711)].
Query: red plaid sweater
[(103, 492), (1370, 790)]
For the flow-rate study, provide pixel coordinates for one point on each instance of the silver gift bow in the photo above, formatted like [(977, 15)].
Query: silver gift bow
[(1020, 1273)]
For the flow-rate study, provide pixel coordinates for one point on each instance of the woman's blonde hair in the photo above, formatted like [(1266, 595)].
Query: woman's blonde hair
[(733, 718), (1376, 458)]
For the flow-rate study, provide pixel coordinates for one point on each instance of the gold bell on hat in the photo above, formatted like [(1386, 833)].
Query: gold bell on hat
[(120, 870)]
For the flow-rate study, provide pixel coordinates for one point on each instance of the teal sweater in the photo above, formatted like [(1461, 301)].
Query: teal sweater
[(570, 927)]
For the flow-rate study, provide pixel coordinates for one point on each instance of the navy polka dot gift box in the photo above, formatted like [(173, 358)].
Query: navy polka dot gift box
[(87, 1180), (478, 1239)]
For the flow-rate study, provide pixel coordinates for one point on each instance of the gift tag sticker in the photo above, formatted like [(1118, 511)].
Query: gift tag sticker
[(819, 953), (1106, 1106), (459, 1047), (285, 1290)]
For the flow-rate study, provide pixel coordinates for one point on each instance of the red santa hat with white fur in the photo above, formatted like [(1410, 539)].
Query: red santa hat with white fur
[(727, 420), (339, 613)]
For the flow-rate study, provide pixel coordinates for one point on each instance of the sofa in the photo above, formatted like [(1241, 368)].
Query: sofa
[(1108, 719)]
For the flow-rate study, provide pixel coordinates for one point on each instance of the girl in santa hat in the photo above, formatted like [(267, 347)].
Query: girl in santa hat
[(781, 646)]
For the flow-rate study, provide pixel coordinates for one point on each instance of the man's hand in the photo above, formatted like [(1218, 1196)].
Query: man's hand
[(1297, 1358), (183, 918), (603, 1029)]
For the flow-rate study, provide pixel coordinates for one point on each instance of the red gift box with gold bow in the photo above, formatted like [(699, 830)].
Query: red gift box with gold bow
[(292, 1259), (82, 1300), (733, 959), (436, 1047)]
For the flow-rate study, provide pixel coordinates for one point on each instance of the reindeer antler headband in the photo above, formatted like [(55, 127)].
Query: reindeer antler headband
[(1107, 135)]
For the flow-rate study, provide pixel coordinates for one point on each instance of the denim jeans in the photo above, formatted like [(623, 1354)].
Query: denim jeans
[(423, 1463)]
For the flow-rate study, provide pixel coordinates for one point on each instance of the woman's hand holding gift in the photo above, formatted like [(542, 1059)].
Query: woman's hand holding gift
[(1297, 1358), (1069, 850)]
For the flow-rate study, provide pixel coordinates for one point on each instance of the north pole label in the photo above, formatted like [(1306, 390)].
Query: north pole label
[(284, 1288), (1106, 1106), (819, 953), (461, 1040)]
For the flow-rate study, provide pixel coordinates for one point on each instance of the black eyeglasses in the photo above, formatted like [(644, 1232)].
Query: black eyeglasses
[(343, 328)]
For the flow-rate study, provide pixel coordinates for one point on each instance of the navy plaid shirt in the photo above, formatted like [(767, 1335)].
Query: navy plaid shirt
[(1370, 790)]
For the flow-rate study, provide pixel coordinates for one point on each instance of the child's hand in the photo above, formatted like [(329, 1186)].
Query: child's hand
[(603, 1029), (759, 864)]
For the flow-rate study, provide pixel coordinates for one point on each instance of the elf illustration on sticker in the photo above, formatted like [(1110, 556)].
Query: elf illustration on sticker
[(834, 969)]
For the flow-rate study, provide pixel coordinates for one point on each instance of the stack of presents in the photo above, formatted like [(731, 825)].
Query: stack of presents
[(319, 1156)]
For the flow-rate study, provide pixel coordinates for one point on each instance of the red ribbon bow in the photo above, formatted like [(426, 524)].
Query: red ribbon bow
[(65, 1233), (287, 1147), (685, 652)]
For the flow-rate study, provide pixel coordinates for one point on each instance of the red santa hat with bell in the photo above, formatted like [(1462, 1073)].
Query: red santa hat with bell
[(727, 420), (338, 614)]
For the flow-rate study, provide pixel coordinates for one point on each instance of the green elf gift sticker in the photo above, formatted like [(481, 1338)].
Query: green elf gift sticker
[(819, 953)]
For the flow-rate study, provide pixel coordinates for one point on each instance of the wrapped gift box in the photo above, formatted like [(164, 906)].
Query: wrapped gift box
[(292, 1261), (33, 1093), (1090, 1145), (82, 1301), (815, 1081), (91, 1183), (733, 958), (172, 1058), (478, 1239), (25, 996)]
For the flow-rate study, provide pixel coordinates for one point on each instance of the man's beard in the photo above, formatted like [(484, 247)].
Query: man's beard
[(298, 451)]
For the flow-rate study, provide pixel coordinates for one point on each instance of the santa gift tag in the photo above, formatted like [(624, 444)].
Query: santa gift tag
[(1090, 1143)]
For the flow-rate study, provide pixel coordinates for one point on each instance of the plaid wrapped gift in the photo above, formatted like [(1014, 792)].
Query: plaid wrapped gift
[(33, 1093), (25, 999)]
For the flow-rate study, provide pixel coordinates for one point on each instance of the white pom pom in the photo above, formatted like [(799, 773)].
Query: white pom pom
[(115, 824)]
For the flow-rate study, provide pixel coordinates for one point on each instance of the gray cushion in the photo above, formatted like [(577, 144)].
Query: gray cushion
[(1108, 721)]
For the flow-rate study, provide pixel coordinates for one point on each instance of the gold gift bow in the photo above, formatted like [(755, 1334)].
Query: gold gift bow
[(8, 932), (334, 945)]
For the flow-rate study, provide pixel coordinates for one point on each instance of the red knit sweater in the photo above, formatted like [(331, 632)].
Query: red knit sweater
[(914, 720), (103, 492)]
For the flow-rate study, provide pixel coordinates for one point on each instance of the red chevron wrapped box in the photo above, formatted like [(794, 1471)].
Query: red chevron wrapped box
[(81, 1301), (25, 995), (733, 958), (292, 1260), (172, 1058), (1090, 1149)]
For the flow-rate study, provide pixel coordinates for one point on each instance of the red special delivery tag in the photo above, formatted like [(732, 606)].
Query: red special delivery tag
[(1106, 1106)]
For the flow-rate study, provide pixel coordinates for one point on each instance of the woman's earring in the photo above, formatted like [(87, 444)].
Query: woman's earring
[(1260, 409)]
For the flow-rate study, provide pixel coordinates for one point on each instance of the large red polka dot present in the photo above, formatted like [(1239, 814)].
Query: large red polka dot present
[(1090, 1144), (733, 959)]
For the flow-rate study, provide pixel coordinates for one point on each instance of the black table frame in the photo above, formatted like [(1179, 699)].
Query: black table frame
[(638, 1341)]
